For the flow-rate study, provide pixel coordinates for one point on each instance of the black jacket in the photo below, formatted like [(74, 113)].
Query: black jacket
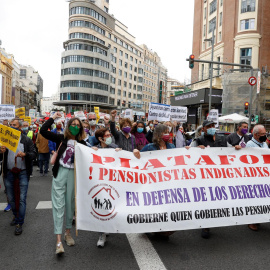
[(207, 140), (30, 152), (234, 139), (57, 138)]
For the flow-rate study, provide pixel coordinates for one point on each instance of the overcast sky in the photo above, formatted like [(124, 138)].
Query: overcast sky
[(34, 32)]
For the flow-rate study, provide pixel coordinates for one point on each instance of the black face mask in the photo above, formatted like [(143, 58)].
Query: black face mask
[(262, 138)]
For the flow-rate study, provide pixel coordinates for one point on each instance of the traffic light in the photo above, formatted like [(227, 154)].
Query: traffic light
[(191, 61), (252, 118), (257, 119), (246, 108)]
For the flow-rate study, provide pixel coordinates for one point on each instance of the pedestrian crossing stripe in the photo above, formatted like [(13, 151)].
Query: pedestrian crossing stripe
[(44, 205)]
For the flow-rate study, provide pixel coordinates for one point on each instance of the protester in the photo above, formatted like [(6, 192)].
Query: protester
[(170, 127), (180, 138), (149, 125), (139, 132), (43, 154), (63, 176), (240, 138), (210, 139), (57, 130), (86, 127), (5, 122), (161, 137), (258, 140), (92, 118), (124, 139), (149, 135), (104, 137), (17, 170)]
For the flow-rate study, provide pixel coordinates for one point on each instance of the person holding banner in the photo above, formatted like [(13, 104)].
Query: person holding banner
[(104, 137), (124, 139), (240, 138), (161, 139), (63, 196), (139, 132), (209, 138), (258, 140), (17, 166)]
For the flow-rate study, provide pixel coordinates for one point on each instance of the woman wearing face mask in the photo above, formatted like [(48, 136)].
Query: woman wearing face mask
[(63, 176), (104, 137), (86, 127), (161, 137), (139, 132), (123, 138)]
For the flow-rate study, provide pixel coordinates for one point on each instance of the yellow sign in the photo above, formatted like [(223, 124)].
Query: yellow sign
[(96, 110), (9, 137), (20, 112), (28, 119)]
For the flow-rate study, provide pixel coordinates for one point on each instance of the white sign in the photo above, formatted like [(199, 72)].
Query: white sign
[(213, 116), (213, 187), (32, 113), (160, 112), (259, 83), (7, 111), (80, 115), (179, 114), (129, 114)]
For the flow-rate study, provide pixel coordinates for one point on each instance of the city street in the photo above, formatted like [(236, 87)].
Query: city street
[(228, 248)]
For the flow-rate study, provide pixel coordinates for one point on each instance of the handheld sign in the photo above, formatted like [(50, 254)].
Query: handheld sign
[(179, 114), (160, 112), (7, 111), (9, 137)]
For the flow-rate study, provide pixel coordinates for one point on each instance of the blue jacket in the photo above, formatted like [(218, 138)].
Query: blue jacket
[(154, 147), (52, 145)]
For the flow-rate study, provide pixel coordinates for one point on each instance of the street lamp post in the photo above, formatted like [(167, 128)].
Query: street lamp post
[(211, 69)]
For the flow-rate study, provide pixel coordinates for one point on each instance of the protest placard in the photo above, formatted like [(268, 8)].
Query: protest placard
[(160, 112), (32, 113), (20, 112), (7, 111), (179, 114), (171, 191), (80, 115), (129, 114), (213, 116), (28, 119), (9, 137), (96, 110)]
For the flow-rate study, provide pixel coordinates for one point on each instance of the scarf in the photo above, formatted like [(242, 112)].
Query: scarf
[(140, 138)]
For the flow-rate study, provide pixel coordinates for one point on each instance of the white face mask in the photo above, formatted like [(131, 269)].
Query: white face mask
[(108, 141), (92, 122)]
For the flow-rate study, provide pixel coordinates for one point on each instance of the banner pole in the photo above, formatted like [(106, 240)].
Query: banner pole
[(75, 190)]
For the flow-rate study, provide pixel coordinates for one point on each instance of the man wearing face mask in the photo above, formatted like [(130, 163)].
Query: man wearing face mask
[(240, 138), (92, 118), (258, 140), (209, 138), (24, 155)]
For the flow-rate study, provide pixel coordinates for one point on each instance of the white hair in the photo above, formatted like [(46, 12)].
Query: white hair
[(257, 129), (91, 113)]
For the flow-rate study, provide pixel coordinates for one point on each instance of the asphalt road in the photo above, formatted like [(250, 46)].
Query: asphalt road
[(234, 247)]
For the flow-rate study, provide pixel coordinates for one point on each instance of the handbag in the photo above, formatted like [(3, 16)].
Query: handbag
[(54, 156)]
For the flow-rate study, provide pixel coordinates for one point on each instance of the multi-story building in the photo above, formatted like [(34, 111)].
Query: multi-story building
[(241, 33), (5, 77), (174, 87), (102, 65), (32, 84)]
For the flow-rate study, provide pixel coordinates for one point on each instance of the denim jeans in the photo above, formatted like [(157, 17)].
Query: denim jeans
[(44, 158), (9, 183)]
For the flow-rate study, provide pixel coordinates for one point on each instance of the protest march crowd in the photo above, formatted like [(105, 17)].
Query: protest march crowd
[(52, 141)]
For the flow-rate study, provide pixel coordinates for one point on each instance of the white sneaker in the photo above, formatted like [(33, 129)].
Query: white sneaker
[(101, 240)]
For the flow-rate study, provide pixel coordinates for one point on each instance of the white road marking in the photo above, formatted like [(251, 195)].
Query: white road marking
[(144, 252), (3, 206), (44, 205)]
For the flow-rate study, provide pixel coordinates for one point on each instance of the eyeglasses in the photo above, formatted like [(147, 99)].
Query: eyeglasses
[(74, 125), (107, 136), (93, 119)]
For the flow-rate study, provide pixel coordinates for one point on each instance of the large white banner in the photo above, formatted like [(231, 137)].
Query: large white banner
[(177, 189), (160, 112), (7, 111)]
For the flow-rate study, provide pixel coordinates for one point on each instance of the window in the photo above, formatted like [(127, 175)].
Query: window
[(119, 92), (115, 50), (124, 94), (87, 25), (212, 25), (125, 84), (213, 6), (126, 55), (130, 76), (106, 9), (220, 18), (115, 39), (119, 82), (87, 11), (202, 71), (129, 95), (205, 13), (110, 36), (126, 65), (221, 2), (120, 62), (218, 70), (219, 36), (130, 67), (86, 36), (245, 56), (121, 53), (204, 30), (120, 72), (131, 58), (248, 6), (247, 24)]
